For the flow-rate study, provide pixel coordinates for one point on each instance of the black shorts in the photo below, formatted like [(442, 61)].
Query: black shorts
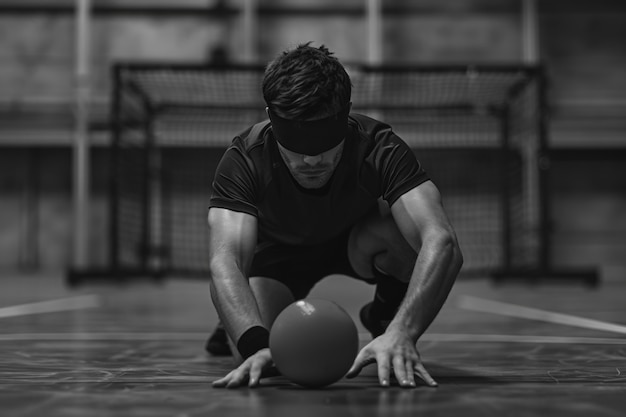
[(301, 267)]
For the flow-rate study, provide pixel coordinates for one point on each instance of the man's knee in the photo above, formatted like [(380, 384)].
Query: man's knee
[(272, 297), (377, 242)]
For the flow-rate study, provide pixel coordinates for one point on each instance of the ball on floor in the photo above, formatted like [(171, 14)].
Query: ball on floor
[(314, 342)]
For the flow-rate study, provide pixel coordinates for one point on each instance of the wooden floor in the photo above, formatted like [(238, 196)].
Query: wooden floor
[(137, 350)]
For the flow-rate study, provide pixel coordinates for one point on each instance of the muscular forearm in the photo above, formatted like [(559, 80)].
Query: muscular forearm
[(435, 271), (233, 299)]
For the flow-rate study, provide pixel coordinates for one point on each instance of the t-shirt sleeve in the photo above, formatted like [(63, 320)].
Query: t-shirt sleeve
[(234, 183), (398, 168)]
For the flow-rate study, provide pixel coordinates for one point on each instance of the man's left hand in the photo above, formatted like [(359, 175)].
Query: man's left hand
[(393, 351)]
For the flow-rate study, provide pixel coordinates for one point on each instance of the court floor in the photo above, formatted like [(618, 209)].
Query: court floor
[(137, 350)]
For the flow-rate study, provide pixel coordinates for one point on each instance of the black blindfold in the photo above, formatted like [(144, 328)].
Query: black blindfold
[(311, 137)]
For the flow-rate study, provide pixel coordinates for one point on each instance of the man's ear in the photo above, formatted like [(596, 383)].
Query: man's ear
[(267, 110)]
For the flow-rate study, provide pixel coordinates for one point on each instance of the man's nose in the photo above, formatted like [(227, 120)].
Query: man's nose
[(312, 160)]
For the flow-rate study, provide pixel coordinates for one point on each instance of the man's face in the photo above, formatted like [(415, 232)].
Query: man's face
[(312, 171)]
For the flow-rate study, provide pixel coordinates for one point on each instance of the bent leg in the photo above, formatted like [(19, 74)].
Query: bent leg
[(272, 297), (378, 250), (376, 245)]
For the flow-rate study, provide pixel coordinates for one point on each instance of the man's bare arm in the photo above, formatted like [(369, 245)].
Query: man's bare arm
[(422, 220), (232, 238)]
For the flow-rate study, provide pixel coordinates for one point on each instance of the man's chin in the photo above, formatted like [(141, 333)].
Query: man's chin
[(312, 184)]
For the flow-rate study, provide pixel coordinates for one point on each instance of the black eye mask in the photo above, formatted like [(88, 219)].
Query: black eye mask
[(311, 137)]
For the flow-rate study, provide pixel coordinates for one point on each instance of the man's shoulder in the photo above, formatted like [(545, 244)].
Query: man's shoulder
[(367, 125), (374, 135), (252, 137)]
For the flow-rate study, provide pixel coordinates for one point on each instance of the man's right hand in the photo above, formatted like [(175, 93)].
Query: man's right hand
[(250, 371)]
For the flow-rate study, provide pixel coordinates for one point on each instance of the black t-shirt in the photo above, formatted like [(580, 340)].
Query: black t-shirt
[(252, 178)]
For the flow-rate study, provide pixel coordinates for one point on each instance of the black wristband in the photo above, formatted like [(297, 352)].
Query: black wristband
[(253, 340)]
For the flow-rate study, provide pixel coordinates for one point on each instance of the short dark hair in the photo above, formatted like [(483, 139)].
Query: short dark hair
[(306, 83)]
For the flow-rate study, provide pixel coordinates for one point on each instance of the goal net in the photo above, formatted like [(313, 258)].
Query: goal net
[(478, 131)]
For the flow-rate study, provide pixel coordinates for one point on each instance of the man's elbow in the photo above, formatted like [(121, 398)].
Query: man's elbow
[(450, 246), (458, 257), (217, 269), (223, 269)]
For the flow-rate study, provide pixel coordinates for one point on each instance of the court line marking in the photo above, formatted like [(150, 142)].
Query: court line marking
[(506, 338), (51, 306), (201, 336), (84, 336), (468, 302)]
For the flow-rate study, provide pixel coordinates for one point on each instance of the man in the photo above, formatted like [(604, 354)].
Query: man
[(316, 191)]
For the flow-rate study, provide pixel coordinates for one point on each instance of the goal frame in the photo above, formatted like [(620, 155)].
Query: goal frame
[(116, 270)]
